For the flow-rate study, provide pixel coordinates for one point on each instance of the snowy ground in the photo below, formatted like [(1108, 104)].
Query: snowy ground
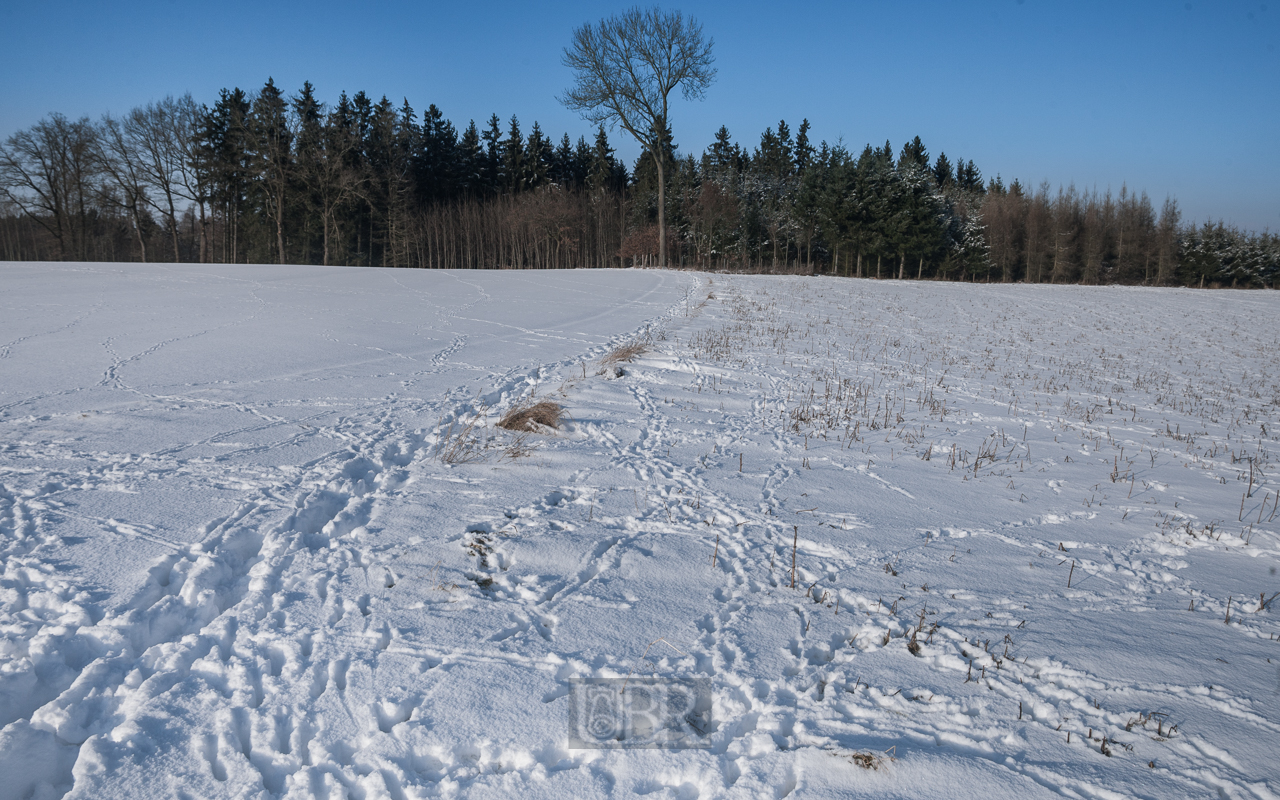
[(236, 564)]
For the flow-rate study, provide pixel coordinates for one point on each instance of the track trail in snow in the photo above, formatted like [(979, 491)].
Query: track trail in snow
[(368, 621)]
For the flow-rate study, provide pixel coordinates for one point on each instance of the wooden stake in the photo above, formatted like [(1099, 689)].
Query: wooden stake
[(716, 554), (1072, 572)]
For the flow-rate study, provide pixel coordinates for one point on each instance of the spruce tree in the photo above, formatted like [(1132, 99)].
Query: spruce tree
[(803, 149), (470, 175), (536, 166), (723, 154), (308, 157), (942, 173), (913, 156), (513, 157), (272, 157), (494, 177), (561, 171), (581, 162), (603, 173), (438, 165)]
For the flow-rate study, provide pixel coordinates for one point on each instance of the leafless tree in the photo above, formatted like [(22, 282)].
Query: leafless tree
[(48, 171), (625, 69), (159, 133), (126, 184)]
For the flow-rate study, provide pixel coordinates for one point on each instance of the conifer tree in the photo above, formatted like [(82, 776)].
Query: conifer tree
[(513, 156), (603, 173), (803, 149), (913, 156), (942, 173), (495, 177), (471, 162), (536, 166), (438, 163)]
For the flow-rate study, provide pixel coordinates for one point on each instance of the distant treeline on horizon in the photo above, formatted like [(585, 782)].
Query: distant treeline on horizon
[(263, 177)]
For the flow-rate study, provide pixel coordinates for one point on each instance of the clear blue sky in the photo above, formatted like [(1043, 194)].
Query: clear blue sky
[(1178, 98)]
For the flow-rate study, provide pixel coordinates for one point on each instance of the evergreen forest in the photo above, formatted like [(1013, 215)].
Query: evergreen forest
[(267, 177)]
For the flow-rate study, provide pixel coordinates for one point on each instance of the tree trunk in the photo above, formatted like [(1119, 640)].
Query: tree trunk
[(204, 236), (142, 245), (279, 225), (326, 239), (662, 208), (173, 225)]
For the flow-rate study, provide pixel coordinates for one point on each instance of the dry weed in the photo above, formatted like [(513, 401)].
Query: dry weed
[(532, 417), (519, 447), (869, 760), (626, 352), (461, 443)]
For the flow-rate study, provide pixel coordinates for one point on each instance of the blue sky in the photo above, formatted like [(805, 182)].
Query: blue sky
[(1178, 98)]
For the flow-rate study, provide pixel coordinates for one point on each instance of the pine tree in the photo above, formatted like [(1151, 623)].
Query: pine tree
[(513, 156), (308, 157), (272, 157), (969, 177), (222, 158), (471, 162), (537, 160), (913, 156), (438, 165), (723, 153), (581, 162), (803, 149), (943, 175), (604, 171), (561, 171), (494, 176)]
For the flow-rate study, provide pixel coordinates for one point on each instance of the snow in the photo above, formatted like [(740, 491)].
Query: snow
[(236, 563)]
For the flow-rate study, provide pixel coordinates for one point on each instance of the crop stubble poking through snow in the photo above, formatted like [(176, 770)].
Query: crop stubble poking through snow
[(922, 539)]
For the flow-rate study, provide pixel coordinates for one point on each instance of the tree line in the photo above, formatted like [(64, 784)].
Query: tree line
[(263, 177)]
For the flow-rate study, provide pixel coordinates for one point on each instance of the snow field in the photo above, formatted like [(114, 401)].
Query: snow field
[(237, 564)]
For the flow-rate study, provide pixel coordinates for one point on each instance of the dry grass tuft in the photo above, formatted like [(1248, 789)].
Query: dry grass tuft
[(526, 417), (461, 442), (626, 352)]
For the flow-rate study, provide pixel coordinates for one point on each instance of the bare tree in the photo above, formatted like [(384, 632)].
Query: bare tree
[(180, 120), (118, 158), (159, 133), (49, 172), (625, 69)]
